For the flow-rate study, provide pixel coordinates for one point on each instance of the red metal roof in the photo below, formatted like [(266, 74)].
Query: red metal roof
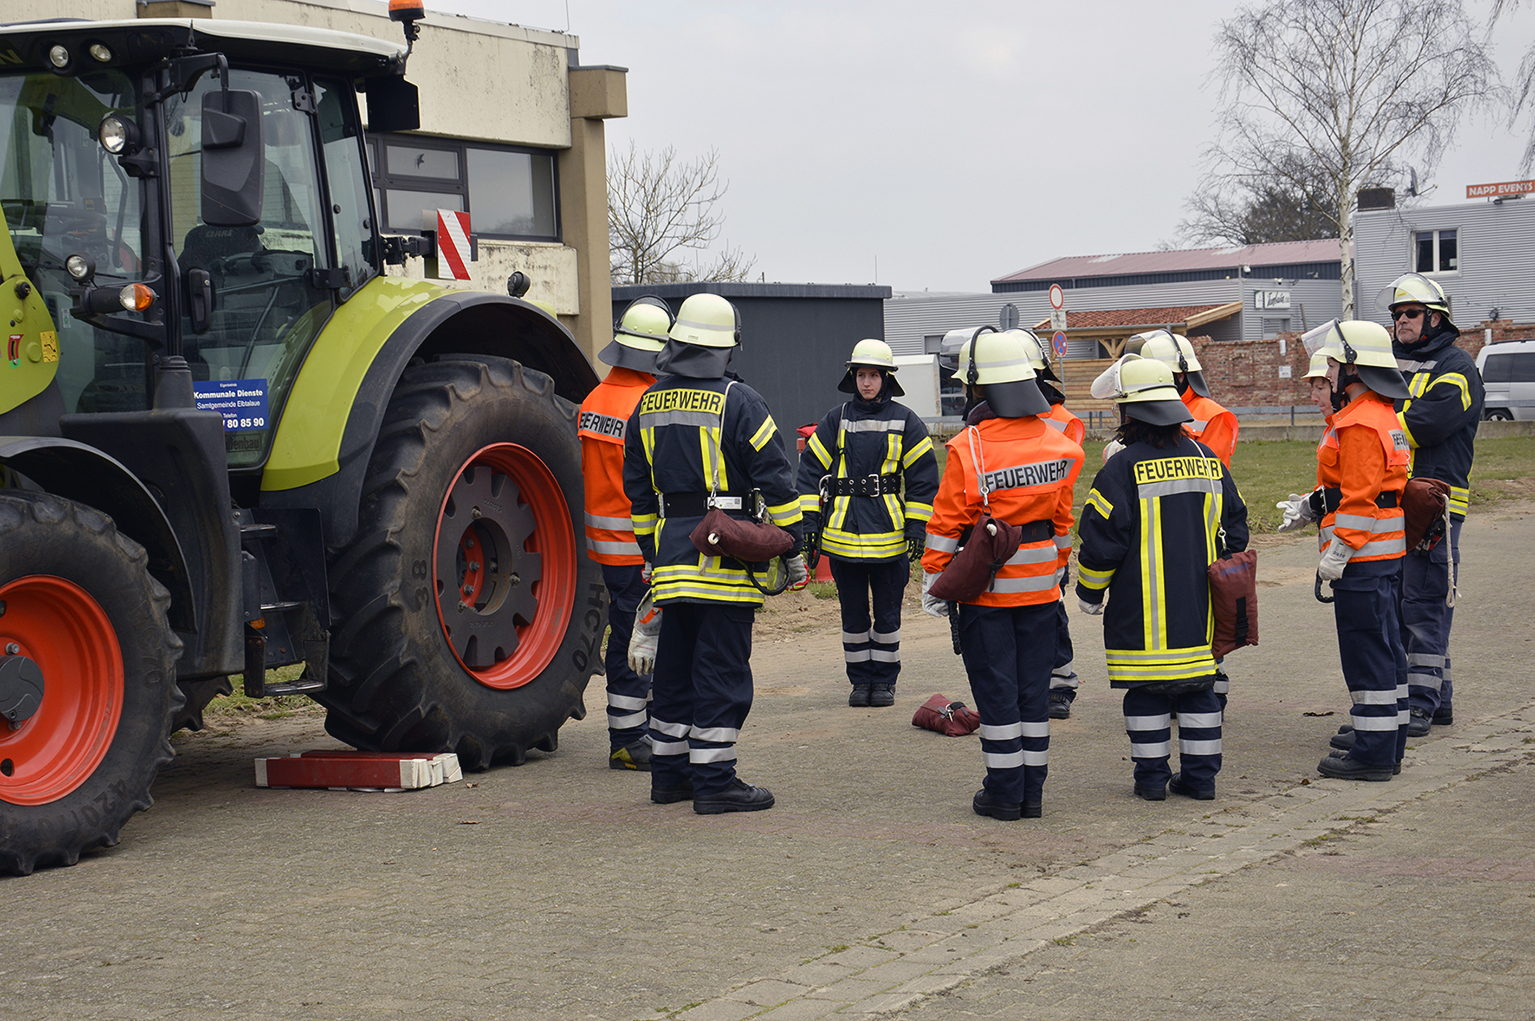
[(1178, 261)]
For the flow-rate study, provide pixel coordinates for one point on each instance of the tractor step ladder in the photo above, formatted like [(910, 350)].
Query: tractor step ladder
[(293, 620)]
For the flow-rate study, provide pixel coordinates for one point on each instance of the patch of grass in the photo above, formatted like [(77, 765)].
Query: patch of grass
[(823, 590), (237, 703)]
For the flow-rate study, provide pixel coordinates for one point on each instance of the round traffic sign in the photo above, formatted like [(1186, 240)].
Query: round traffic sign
[(1059, 343), (1057, 297)]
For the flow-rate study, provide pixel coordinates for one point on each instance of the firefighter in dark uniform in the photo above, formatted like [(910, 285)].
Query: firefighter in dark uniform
[(1439, 417), (638, 338), (1149, 531), (1010, 464), (866, 483), (1362, 468), (699, 439), (1063, 675)]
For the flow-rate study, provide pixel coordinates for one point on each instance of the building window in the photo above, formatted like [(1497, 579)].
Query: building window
[(509, 192), (1273, 326), (1435, 251)]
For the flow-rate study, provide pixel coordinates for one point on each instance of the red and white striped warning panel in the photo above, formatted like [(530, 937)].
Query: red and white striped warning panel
[(453, 250), (373, 770)]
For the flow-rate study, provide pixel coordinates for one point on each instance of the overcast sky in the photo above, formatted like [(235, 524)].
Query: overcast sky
[(902, 143)]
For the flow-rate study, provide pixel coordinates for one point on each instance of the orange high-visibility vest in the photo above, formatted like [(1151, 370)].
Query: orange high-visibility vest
[(1213, 425), (604, 415), (1064, 421), (1362, 467), (1027, 470)]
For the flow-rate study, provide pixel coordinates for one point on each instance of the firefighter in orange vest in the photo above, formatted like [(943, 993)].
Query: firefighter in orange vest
[(1063, 676), (639, 337), (1362, 467), (1010, 464)]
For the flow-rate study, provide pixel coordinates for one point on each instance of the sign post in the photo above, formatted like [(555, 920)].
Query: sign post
[(1058, 324)]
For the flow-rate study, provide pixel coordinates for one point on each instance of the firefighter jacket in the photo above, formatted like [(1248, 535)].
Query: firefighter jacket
[(873, 463), (604, 416), (1064, 421), (1149, 532), (1441, 415), (1213, 425), (682, 431), (1362, 469), (1019, 470)]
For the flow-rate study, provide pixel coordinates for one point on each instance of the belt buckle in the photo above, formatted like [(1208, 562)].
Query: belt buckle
[(871, 481)]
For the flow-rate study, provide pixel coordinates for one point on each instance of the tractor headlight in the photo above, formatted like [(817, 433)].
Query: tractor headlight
[(100, 52), (58, 56), (81, 267), (117, 135)]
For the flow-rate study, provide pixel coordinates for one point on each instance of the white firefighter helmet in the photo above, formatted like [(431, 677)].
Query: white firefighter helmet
[(1318, 367), (954, 349), (1173, 350), (871, 354), (1412, 288), (1039, 361), (1363, 345), (707, 320), (998, 363), (1143, 388), (639, 335)]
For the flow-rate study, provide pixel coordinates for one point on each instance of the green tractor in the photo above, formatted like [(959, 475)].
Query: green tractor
[(229, 443)]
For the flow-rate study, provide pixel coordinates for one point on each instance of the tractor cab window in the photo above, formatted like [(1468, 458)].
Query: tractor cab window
[(64, 195), (345, 170), (267, 308)]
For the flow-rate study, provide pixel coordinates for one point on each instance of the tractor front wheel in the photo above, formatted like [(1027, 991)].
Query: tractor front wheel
[(469, 614), (87, 680)]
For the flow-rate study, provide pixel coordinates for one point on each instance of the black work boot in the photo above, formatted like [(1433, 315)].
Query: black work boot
[(1343, 740), (1147, 792), (672, 794), (1444, 716), (1177, 786), (1345, 768), (985, 804), (740, 796), (631, 756), (859, 696), (1418, 722), (1060, 706), (882, 694)]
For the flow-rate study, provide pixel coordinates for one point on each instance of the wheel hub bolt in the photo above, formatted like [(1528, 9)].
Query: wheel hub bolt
[(11, 648)]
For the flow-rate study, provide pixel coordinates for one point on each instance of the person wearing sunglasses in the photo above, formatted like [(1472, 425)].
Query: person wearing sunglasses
[(1440, 418)]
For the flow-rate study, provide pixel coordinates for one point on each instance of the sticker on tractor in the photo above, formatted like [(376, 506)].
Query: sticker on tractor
[(242, 402), (13, 349), (50, 341)]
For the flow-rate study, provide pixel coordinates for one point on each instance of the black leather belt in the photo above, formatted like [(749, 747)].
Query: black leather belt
[(1331, 498), (1031, 531), (865, 485), (696, 505)]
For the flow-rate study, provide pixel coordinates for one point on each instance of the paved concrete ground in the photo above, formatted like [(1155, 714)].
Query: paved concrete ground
[(556, 890)]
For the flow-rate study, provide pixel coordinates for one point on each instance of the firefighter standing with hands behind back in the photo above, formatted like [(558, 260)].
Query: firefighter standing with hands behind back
[(698, 440), (860, 514), (1009, 464), (638, 338)]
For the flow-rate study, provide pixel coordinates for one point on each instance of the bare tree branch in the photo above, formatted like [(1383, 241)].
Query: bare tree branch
[(1523, 92), (1322, 97), (657, 205)]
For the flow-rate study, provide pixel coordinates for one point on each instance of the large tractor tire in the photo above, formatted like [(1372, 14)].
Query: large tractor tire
[(468, 616), (198, 694), (82, 620)]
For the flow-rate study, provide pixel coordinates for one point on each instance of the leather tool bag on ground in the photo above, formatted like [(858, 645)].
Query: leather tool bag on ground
[(1233, 596), (952, 718), (1425, 510)]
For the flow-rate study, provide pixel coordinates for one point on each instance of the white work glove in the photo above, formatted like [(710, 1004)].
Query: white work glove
[(1095, 609), (1334, 560), (932, 605), (799, 574), (1297, 512), (1110, 449), (645, 637)]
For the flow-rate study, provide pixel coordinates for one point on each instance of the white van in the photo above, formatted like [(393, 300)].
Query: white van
[(1508, 373)]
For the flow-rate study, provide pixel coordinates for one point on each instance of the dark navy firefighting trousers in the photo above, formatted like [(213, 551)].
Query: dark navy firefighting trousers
[(871, 648), (1063, 676), (1008, 653), (1149, 723), (700, 695), (1374, 664), (628, 692), (1426, 622)]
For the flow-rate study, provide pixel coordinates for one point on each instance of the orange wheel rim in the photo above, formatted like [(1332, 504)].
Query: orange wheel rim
[(59, 626), (504, 566)]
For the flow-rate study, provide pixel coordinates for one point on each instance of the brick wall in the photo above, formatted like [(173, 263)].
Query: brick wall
[(1245, 374)]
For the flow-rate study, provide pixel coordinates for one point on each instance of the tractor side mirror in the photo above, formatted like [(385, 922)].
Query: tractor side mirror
[(233, 158)]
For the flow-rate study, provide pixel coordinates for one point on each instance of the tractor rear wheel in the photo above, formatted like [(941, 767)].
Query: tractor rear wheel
[(468, 616), (89, 666)]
